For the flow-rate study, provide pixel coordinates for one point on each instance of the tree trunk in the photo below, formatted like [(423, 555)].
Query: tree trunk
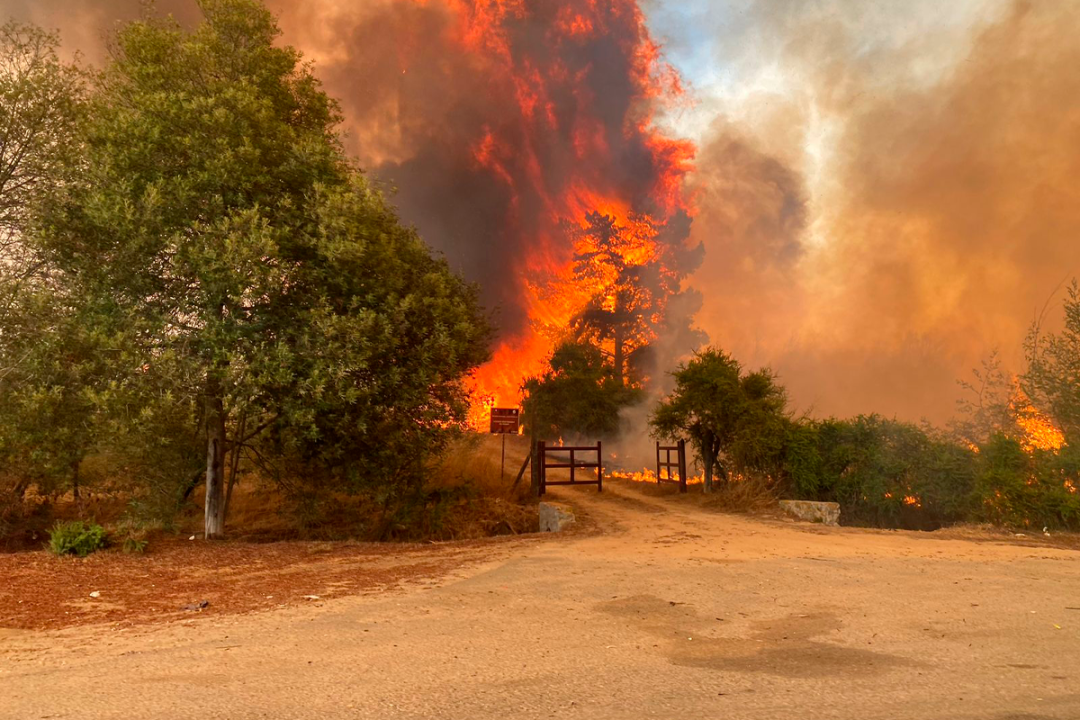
[(234, 465), (215, 460), (75, 479), (619, 353), (707, 465)]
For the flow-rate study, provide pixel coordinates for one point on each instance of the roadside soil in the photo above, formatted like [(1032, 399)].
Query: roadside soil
[(657, 607), (176, 576)]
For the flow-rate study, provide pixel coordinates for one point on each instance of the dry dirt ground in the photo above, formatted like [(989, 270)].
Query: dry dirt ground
[(660, 609)]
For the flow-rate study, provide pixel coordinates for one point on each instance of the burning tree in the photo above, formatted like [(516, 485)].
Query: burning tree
[(622, 278), (622, 267)]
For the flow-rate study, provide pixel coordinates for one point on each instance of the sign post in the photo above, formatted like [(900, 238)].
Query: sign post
[(505, 421)]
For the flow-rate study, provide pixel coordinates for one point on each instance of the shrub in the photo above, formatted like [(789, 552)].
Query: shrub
[(882, 472), (76, 538), (1028, 489)]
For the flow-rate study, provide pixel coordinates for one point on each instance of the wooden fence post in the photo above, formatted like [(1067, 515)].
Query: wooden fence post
[(599, 468), (534, 475), (682, 466)]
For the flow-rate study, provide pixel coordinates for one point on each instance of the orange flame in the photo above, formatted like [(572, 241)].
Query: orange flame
[(512, 153), (1038, 430)]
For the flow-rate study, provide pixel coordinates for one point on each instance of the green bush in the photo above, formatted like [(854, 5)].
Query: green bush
[(76, 538), (1023, 489), (882, 472)]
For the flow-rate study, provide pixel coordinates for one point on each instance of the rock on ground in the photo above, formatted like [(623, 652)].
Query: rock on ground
[(555, 517), (827, 513)]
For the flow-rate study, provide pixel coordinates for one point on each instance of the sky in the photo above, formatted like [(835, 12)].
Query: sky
[(886, 191)]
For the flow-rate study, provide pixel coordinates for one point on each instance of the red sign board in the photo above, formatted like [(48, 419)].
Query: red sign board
[(505, 421)]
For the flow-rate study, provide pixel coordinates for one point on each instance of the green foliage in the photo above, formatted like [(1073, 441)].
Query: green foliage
[(43, 406), (1052, 380), (214, 254), (985, 408), (1024, 489), (39, 108), (580, 396), (882, 472), (133, 545), (77, 537), (734, 421)]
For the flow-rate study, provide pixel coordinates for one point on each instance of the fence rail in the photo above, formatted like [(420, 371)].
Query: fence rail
[(678, 465), (571, 463)]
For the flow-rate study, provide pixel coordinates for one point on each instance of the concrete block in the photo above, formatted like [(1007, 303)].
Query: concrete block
[(555, 517), (826, 513)]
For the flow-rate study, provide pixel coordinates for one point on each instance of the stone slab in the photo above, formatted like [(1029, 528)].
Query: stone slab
[(826, 513), (555, 517)]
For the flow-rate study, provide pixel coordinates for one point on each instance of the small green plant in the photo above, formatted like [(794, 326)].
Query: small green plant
[(76, 538), (135, 545), (131, 535)]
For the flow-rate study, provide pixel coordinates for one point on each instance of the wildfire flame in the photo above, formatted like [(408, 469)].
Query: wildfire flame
[(648, 476), (1038, 431), (608, 156)]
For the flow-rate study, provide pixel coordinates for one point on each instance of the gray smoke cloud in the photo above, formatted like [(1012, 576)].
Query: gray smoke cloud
[(944, 212)]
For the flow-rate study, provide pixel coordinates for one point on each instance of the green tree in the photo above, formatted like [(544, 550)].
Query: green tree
[(580, 396), (884, 472), (44, 411), (733, 420), (985, 408), (223, 242), (39, 109), (1052, 380)]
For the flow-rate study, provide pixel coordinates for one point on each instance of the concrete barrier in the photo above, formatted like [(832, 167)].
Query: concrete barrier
[(826, 513), (555, 517)]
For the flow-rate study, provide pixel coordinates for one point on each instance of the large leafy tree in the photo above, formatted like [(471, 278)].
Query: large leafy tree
[(46, 356), (219, 236), (733, 420)]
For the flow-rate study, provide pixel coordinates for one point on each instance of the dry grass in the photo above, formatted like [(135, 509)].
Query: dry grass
[(475, 461), (747, 495), (465, 498)]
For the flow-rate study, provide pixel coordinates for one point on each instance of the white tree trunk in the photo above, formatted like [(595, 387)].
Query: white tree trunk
[(215, 462)]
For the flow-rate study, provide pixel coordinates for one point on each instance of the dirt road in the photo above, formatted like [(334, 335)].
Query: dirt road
[(668, 612)]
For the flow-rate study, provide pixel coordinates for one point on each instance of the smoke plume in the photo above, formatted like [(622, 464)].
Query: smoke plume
[(892, 197), (943, 212)]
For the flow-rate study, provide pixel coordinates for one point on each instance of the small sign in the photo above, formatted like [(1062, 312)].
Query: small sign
[(505, 421)]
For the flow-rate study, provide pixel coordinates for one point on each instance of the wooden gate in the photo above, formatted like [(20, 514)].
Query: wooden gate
[(572, 462), (678, 465)]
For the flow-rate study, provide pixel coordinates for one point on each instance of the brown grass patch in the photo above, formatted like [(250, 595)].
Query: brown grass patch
[(747, 495)]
